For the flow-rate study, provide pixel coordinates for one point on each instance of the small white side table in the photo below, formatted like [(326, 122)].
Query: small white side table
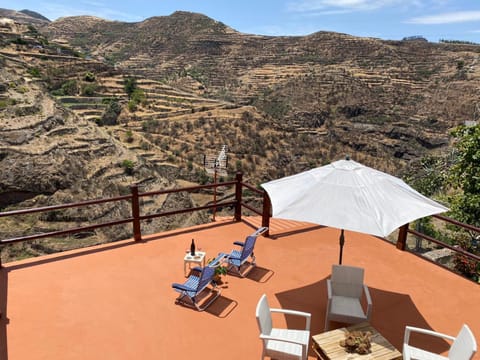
[(199, 259)]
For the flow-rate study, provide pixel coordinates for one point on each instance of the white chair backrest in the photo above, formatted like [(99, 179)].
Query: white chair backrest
[(347, 281), (464, 346), (264, 318)]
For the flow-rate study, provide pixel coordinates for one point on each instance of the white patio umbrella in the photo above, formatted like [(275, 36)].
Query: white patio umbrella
[(349, 196)]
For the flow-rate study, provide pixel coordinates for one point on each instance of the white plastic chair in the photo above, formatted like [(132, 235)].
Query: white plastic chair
[(463, 345), (282, 344), (345, 289)]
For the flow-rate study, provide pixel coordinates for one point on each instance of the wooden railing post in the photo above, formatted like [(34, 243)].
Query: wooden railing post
[(266, 213), (238, 197), (137, 234), (402, 237)]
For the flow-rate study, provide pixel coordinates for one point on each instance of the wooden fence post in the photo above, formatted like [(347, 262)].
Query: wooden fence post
[(402, 237), (238, 197), (137, 233), (266, 213)]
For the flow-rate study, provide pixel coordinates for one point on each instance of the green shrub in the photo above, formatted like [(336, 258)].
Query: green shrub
[(136, 97), (129, 136), (69, 87), (89, 89), (145, 146), (89, 76), (21, 89), (150, 125), (19, 41), (35, 72), (4, 103), (132, 106), (111, 113), (129, 84), (128, 166), (202, 176)]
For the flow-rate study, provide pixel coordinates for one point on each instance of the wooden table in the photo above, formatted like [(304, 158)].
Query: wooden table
[(327, 345)]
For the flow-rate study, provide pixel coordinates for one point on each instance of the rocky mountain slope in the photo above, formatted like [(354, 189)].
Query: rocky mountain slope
[(51, 152), (396, 98), (280, 104)]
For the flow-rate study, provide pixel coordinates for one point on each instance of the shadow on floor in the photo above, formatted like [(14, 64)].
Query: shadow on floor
[(259, 274), (222, 307), (391, 313)]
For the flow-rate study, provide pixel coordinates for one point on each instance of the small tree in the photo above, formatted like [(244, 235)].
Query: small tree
[(465, 175), (129, 84), (465, 203), (136, 97), (129, 136), (89, 89), (89, 76), (111, 113), (128, 166), (70, 87)]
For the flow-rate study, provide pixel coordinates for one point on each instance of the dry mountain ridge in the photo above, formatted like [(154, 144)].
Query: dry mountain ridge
[(345, 78), (24, 16)]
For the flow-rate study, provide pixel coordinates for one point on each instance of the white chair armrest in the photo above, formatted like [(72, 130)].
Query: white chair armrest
[(409, 329), (292, 341), (369, 301), (306, 315)]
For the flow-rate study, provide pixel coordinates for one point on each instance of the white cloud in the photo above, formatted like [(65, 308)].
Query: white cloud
[(325, 6), (447, 18)]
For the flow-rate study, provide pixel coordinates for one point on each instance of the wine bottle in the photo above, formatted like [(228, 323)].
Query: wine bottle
[(192, 248)]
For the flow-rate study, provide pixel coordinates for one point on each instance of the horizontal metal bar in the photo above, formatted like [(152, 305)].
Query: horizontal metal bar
[(64, 232), (188, 189), (175, 212), (456, 222), (253, 188), (448, 246), (64, 206), (252, 209)]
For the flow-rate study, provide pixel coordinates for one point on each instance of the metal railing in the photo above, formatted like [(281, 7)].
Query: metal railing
[(136, 218), (457, 250)]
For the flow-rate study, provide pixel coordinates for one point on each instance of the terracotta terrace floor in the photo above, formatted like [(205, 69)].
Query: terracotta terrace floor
[(116, 302)]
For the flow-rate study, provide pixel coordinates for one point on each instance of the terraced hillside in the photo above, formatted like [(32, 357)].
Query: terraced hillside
[(392, 100), (52, 153)]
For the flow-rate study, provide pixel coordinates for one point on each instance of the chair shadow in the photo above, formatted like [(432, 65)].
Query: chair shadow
[(259, 274), (256, 273), (391, 312), (222, 307)]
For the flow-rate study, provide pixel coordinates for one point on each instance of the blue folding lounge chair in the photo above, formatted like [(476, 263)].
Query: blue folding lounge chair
[(196, 284), (238, 257)]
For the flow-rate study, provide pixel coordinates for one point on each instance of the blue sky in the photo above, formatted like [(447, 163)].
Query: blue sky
[(386, 19)]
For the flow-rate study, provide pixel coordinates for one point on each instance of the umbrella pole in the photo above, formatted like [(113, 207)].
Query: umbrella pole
[(342, 242)]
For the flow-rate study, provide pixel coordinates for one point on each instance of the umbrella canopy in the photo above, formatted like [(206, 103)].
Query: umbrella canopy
[(349, 196)]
